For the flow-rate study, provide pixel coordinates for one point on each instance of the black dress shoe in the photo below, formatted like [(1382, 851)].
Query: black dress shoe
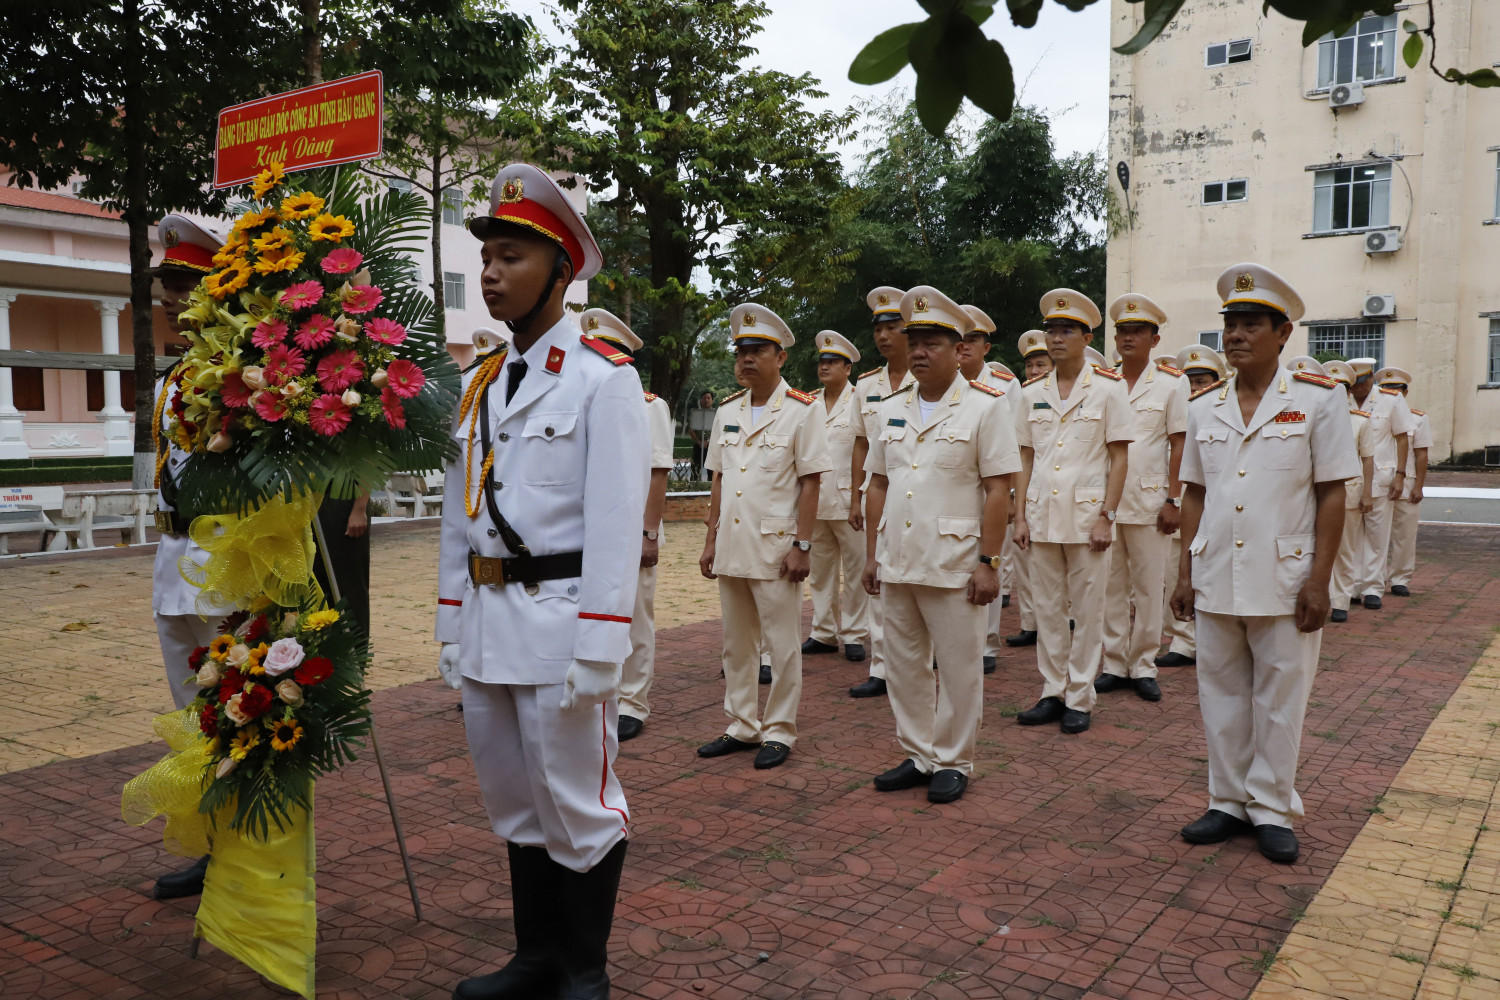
[(1372, 602), (989, 664), (1175, 660), (1074, 721), (947, 785), (1214, 827), (723, 745), (1401, 590), (1045, 711), (629, 728), (765, 673), (904, 775), (812, 646), (1147, 688), (1025, 637), (1005, 600), (1106, 683), (854, 652), (1278, 843), (185, 882), (870, 687), (772, 754), (1338, 616)]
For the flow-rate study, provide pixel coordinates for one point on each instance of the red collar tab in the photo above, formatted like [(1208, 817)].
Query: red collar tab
[(555, 357)]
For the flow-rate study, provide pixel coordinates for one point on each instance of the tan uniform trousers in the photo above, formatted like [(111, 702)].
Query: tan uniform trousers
[(1137, 560), (837, 546), (1377, 543), (937, 714), (1254, 678), (640, 666), (1010, 583), (1069, 661), (1403, 559), (1181, 638), (757, 611), (1343, 585)]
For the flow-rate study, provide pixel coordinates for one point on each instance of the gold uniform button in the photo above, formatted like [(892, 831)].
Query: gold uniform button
[(921, 438), (1058, 468), (1297, 553), (1239, 506), (908, 492), (914, 465), (1054, 493), (780, 533), (1242, 472), (1238, 544), (908, 524), (739, 493), (736, 520)]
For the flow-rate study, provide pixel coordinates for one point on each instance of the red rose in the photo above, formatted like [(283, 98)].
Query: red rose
[(314, 670), (230, 685), (195, 658), (256, 701), (208, 720)]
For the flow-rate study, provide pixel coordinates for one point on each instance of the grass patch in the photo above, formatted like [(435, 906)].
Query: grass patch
[(1465, 972), (1407, 956), (1447, 885), (1263, 963)]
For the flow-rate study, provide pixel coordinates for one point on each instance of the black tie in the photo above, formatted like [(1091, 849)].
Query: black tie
[(513, 376)]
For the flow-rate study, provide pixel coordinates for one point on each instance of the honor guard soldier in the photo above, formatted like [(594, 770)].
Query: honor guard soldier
[(836, 544), (537, 578), (768, 452), (1267, 455), (1357, 499), (1036, 362), (1073, 433), (640, 666), (1403, 554), (1391, 424), (871, 387), (182, 626), (1149, 508), (939, 495)]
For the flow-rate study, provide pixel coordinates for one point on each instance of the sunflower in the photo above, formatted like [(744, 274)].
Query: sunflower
[(268, 179), (301, 206), (252, 220), (285, 734), (272, 261), (320, 619), (247, 739), (277, 239), (253, 666), (219, 648), (228, 281), (236, 246), (331, 228)]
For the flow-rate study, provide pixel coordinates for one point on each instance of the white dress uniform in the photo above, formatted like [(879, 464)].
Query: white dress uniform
[(758, 464), (1403, 560), (1070, 470), (1390, 417), (836, 546), (1252, 554), (929, 546), (1138, 557)]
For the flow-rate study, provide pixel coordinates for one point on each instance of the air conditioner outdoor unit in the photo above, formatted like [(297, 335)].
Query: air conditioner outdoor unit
[(1380, 305), (1383, 241), (1346, 95)]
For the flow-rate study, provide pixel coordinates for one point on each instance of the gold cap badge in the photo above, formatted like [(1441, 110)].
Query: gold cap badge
[(1130, 307), (1244, 282), (883, 299), (1062, 303), (593, 323), (512, 191), (749, 320), (920, 305), (170, 238), (1193, 356)]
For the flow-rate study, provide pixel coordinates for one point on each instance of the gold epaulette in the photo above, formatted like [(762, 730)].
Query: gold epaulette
[(908, 387), (976, 384), (1169, 370), (1315, 379), (732, 397), (650, 397), (1359, 413), (1390, 392), (800, 396), (1110, 373), (606, 349), (1420, 413), (1208, 388), (872, 371), (1031, 380)]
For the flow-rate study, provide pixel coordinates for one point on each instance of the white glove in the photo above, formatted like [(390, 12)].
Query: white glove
[(589, 683), (448, 665)]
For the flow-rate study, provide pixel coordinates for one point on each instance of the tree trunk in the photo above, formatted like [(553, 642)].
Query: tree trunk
[(312, 44), (138, 224), (438, 304), (672, 353)]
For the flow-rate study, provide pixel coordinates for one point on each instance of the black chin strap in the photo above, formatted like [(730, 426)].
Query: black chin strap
[(523, 325)]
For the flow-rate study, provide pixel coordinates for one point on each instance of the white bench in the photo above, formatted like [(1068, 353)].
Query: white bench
[(20, 520), (412, 493), (82, 514)]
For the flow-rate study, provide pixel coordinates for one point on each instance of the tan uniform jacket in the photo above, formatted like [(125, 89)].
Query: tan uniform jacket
[(934, 507), (758, 467), (1070, 464), (1389, 417), (1254, 546), (1364, 447), (871, 388), (841, 425), (1158, 409)]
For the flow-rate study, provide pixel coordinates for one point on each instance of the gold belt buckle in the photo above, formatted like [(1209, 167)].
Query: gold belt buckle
[(486, 571), (164, 523)]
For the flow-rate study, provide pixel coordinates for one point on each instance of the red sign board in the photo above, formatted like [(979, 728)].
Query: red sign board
[(337, 122)]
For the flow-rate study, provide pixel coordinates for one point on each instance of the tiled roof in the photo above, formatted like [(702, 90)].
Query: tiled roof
[(45, 202)]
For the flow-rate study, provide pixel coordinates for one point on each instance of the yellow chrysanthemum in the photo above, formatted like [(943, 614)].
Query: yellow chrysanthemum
[(222, 284), (331, 228), (277, 239), (301, 206), (320, 619), (279, 260), (285, 734), (267, 179), (247, 739), (219, 648), (253, 665), (253, 220)]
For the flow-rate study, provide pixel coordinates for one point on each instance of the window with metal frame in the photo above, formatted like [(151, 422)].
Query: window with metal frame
[(1212, 338), (453, 290), (398, 184), (1227, 52), (1352, 198), (1219, 192), (1494, 350), (1348, 340), (1497, 187), (453, 207), (1363, 54)]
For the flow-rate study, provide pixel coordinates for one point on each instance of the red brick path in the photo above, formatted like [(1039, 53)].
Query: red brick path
[(1059, 875)]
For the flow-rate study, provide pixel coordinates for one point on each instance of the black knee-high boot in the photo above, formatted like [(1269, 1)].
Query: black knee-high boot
[(588, 915), (536, 971)]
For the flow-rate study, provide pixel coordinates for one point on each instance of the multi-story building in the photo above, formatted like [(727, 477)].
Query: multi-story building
[(1374, 188)]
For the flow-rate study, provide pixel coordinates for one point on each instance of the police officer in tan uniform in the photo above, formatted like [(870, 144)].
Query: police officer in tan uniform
[(1036, 362), (836, 544), (1074, 433), (1267, 455), (1149, 507), (768, 450), (939, 491), (1391, 424), (1403, 553), (870, 389), (1357, 498)]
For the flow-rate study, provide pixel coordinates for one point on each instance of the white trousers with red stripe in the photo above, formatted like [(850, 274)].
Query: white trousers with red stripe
[(546, 774)]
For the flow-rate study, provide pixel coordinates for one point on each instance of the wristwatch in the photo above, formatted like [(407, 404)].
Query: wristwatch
[(650, 533), (1109, 515), (804, 546), (1174, 501), (993, 562)]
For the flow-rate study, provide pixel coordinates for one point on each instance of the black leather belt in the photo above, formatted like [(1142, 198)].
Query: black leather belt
[(498, 571)]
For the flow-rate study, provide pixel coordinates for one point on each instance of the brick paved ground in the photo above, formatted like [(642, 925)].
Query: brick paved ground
[(1058, 876)]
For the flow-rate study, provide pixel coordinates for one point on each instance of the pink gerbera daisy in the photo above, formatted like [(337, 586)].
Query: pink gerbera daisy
[(339, 370), (328, 414), (362, 298), (316, 332), (395, 413), (342, 261), (405, 378), (385, 331), (303, 295), (269, 333), (283, 364), (233, 391), (269, 406)]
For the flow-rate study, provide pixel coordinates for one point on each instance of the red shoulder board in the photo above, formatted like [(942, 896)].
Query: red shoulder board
[(608, 350), (1110, 373), (991, 390), (1169, 370), (1390, 392), (1031, 380), (1316, 379), (800, 396), (1208, 388), (1359, 413), (650, 397), (872, 371), (1005, 375), (1420, 413)]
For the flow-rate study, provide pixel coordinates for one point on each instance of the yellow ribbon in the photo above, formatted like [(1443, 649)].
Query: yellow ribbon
[(267, 553), (173, 786)]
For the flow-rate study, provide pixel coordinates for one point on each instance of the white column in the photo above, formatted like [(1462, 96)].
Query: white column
[(118, 439), (12, 441)]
